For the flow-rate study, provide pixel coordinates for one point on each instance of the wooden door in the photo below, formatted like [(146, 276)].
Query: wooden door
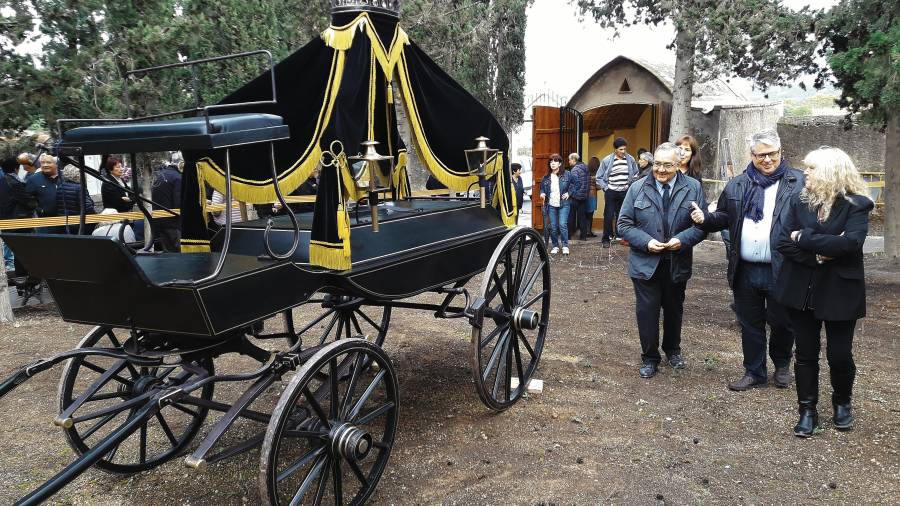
[(545, 141)]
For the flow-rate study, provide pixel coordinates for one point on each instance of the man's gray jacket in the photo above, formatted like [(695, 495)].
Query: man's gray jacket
[(641, 219), (606, 164), (729, 214)]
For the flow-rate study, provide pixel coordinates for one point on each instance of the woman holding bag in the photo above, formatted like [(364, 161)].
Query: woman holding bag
[(822, 280)]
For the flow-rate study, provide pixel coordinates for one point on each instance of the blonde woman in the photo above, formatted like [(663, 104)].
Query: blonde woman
[(822, 281)]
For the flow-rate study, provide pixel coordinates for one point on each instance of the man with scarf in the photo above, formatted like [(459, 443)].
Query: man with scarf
[(752, 207)]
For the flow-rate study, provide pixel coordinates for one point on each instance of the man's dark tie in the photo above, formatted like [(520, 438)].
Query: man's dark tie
[(666, 197)]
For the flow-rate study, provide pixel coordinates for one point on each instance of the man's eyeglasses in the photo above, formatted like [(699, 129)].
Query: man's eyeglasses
[(770, 155), (666, 165)]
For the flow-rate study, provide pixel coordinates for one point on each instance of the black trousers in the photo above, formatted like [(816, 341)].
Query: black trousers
[(583, 226), (839, 352), (651, 295), (755, 307), (612, 205)]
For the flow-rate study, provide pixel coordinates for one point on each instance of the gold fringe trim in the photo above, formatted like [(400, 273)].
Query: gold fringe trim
[(260, 192), (401, 176), (502, 188), (341, 38), (194, 246), (328, 255), (452, 179)]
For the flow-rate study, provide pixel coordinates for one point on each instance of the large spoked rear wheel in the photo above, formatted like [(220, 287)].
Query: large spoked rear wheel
[(107, 390), (342, 317), (508, 340), (333, 428)]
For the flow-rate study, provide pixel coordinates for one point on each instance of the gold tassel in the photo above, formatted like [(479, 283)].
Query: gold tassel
[(390, 93)]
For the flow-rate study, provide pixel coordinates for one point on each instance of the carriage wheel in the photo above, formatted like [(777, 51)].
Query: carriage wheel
[(508, 340), (106, 385), (332, 431), (343, 317)]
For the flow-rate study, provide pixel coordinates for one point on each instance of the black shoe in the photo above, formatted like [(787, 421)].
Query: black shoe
[(676, 361), (746, 383), (606, 244), (782, 377), (808, 424), (843, 416), (648, 369), (592, 234)]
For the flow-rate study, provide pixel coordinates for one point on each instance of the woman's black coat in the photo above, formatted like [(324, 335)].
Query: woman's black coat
[(112, 198), (835, 289)]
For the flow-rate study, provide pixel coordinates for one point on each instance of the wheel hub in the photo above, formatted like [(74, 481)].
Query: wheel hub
[(351, 442), (525, 319), (143, 384)]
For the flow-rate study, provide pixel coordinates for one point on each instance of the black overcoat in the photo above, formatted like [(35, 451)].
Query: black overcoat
[(834, 289)]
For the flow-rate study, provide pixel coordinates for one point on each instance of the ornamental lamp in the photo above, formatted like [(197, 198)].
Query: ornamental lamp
[(477, 160), (365, 169)]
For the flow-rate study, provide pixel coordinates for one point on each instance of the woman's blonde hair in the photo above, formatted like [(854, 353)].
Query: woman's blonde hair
[(831, 173)]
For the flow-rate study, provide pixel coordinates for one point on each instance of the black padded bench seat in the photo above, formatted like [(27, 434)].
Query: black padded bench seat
[(174, 134)]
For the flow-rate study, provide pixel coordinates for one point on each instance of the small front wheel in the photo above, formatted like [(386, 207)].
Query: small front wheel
[(333, 429)]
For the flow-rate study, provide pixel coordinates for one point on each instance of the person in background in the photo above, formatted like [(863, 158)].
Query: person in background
[(167, 192), (593, 167), (822, 282), (555, 196), (42, 186), (219, 217), (580, 186), (114, 195), (616, 173), (28, 164), (69, 199), (516, 169), (15, 203), (691, 163), (656, 222), (113, 229), (753, 207), (645, 163)]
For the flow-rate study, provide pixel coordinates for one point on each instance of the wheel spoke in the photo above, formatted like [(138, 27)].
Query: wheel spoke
[(328, 328), (494, 355), (356, 325), (103, 421), (358, 473), (527, 346), (302, 461), (306, 434), (351, 385), (371, 415), (517, 279), (316, 407), (101, 370), (336, 481), (502, 364), (500, 291), (307, 482), (183, 409), (333, 385), (89, 392), (323, 482), (105, 396), (371, 322), (510, 272), (518, 354), (526, 288), (366, 394), (118, 408), (490, 337), (316, 321), (534, 299), (167, 430), (346, 316)]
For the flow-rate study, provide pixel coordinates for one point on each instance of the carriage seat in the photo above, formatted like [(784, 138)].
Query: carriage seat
[(175, 134)]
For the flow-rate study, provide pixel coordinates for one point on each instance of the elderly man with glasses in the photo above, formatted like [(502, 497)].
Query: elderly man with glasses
[(753, 207), (656, 221)]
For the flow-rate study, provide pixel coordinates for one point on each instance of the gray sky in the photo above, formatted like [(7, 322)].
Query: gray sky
[(561, 52)]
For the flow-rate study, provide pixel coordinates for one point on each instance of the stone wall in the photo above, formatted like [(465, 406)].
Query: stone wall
[(864, 144)]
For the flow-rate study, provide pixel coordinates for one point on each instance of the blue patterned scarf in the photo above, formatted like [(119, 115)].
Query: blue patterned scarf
[(754, 194)]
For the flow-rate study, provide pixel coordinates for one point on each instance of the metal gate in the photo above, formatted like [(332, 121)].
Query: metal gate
[(571, 125)]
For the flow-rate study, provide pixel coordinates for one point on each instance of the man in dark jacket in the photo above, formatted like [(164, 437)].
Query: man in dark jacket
[(581, 186), (69, 199), (752, 207), (167, 192), (42, 186), (15, 202), (655, 220)]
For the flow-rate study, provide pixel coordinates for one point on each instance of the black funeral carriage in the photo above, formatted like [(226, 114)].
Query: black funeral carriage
[(139, 386)]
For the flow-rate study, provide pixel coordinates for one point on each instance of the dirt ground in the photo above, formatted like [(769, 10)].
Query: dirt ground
[(597, 434)]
